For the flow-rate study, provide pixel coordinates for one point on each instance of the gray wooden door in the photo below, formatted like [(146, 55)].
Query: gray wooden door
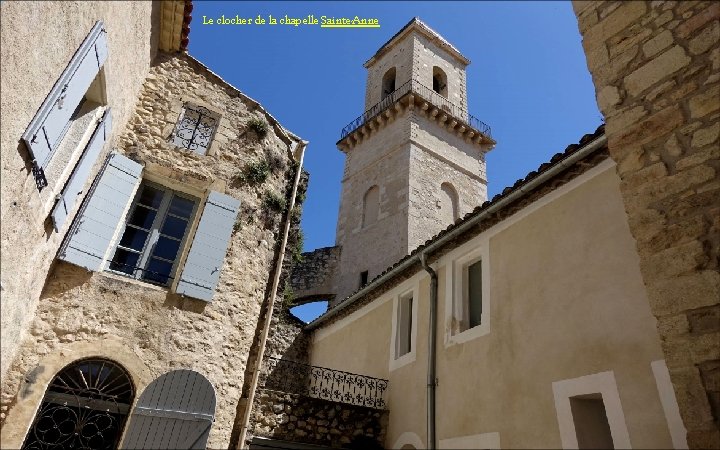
[(175, 411)]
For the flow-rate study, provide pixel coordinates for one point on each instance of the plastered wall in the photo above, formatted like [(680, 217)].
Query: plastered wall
[(566, 300), (38, 41)]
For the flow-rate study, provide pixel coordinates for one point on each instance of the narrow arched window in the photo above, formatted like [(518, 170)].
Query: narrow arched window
[(449, 208), (440, 81), (85, 406), (371, 206), (388, 83)]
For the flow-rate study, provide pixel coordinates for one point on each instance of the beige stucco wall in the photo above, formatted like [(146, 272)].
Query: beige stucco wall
[(38, 41), (163, 330), (565, 300)]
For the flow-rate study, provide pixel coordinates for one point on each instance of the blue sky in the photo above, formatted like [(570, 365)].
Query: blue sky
[(528, 80)]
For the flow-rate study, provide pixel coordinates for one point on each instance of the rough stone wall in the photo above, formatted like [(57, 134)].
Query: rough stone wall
[(656, 69), (293, 417), (427, 54), (312, 279), (440, 157), (38, 41), (381, 160), (400, 56), (163, 330)]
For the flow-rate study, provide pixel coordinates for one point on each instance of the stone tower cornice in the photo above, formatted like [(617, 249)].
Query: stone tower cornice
[(413, 96)]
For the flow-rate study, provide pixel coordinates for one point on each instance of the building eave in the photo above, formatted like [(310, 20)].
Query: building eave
[(175, 18)]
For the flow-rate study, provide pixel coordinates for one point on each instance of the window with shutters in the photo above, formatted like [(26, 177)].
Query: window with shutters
[(151, 243), (138, 228), (63, 126), (195, 128)]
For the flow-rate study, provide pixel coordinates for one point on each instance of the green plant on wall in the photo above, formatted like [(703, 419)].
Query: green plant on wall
[(273, 202), (255, 172), (297, 249), (259, 126)]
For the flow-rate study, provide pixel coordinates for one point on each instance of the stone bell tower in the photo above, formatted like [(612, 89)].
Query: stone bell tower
[(415, 160)]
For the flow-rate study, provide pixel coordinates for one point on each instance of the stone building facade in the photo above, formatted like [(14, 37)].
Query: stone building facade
[(656, 69), (155, 162)]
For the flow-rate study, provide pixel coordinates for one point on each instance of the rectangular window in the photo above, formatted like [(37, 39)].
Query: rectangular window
[(591, 422), (403, 339), (157, 225), (363, 278), (473, 303), (195, 129)]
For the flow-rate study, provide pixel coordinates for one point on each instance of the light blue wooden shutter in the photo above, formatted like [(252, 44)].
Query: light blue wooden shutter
[(207, 252), (47, 128), (71, 193), (176, 411), (94, 228)]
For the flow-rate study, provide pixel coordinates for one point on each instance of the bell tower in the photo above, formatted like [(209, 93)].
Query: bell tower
[(415, 159)]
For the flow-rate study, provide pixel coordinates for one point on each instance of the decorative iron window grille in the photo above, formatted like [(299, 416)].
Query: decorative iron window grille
[(320, 382), (85, 406), (195, 129)]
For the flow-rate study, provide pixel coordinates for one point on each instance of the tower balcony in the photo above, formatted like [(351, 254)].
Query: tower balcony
[(412, 95)]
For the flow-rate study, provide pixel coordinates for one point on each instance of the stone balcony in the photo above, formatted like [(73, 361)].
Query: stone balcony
[(303, 406), (413, 95)]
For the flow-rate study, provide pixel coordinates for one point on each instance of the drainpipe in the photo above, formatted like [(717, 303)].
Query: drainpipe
[(271, 301), (432, 338)]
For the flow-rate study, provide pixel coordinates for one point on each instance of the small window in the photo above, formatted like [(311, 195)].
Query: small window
[(363, 278), (468, 308), (195, 128), (473, 295), (591, 422), (388, 83), (156, 228), (439, 81), (403, 338)]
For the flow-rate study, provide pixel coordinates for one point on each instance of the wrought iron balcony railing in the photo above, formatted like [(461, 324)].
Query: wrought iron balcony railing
[(425, 93), (323, 383)]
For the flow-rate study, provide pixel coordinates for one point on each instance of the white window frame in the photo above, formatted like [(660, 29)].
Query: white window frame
[(456, 293), (162, 214), (602, 383), (405, 291)]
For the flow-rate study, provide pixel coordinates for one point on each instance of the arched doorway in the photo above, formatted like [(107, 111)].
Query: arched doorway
[(85, 406)]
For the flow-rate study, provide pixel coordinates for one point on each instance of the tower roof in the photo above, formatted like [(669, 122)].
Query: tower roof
[(421, 27)]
